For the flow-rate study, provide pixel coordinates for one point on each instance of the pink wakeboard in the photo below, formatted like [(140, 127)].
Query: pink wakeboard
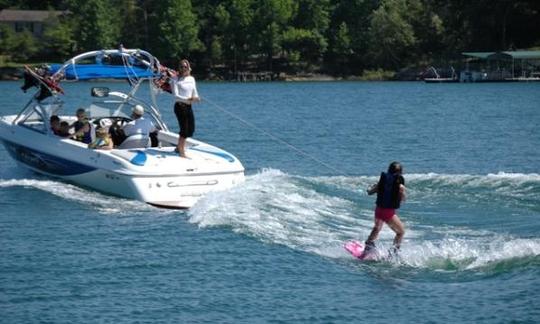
[(356, 248)]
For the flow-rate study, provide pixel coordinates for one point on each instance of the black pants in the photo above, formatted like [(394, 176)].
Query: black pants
[(186, 120), (117, 134)]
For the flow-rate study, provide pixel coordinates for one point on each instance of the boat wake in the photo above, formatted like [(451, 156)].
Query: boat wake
[(493, 253), (102, 203), (318, 214)]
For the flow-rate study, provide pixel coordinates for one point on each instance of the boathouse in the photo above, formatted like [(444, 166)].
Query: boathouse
[(501, 66)]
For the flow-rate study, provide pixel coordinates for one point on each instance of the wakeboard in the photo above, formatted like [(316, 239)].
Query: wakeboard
[(357, 249)]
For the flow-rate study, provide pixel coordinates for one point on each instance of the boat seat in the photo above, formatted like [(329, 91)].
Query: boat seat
[(135, 141)]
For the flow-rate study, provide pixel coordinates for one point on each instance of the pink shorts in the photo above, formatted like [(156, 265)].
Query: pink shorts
[(384, 214)]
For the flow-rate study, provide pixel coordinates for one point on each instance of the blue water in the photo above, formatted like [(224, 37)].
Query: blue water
[(270, 250)]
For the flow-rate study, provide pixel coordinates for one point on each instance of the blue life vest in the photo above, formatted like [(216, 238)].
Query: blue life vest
[(86, 136), (388, 190)]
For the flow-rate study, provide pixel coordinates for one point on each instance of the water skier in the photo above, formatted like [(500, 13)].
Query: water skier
[(390, 193)]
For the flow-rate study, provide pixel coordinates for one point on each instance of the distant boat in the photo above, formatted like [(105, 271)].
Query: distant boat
[(441, 80), (438, 78)]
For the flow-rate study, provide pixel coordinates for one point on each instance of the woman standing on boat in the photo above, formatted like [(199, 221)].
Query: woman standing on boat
[(185, 93)]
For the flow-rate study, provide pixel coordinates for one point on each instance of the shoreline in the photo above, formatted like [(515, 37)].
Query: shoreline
[(16, 74)]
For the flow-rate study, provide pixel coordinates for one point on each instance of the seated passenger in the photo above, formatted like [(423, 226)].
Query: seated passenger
[(63, 130), (139, 124), (103, 141), (82, 127), (54, 121)]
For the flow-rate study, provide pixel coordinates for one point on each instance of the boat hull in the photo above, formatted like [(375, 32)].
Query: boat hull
[(163, 179)]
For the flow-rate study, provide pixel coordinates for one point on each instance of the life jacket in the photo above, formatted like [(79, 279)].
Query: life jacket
[(100, 142), (388, 190), (86, 137)]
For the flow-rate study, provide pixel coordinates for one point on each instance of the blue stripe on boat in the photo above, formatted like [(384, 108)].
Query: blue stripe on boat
[(139, 158), (46, 162), (220, 154)]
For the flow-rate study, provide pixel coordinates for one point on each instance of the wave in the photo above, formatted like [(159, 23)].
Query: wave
[(318, 214), (104, 204), (515, 186), (459, 253), (517, 190)]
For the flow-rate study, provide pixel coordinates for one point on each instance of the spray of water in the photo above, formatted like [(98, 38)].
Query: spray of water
[(318, 214)]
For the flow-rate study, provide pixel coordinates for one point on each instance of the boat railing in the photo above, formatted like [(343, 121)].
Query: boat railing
[(434, 70), (48, 85)]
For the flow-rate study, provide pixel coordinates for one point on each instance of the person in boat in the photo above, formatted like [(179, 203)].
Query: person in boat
[(184, 90), (82, 127), (63, 130), (138, 124), (103, 140), (390, 190), (54, 122)]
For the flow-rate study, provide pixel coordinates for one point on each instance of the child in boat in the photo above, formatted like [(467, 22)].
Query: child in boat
[(82, 127), (63, 130), (54, 121), (103, 140)]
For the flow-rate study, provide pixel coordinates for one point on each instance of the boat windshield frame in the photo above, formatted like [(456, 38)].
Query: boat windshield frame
[(126, 99)]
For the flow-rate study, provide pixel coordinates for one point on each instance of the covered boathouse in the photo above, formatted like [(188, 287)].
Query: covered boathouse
[(504, 66)]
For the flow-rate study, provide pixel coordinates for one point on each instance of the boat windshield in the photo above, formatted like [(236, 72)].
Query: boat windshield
[(38, 118), (109, 109), (118, 108)]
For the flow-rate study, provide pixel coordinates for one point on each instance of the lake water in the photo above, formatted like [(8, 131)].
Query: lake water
[(270, 250)]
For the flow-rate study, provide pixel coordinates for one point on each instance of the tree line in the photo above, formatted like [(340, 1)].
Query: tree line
[(336, 37)]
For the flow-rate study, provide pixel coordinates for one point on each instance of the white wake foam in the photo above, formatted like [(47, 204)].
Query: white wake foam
[(468, 254), (310, 214), (281, 209), (318, 214), (104, 204)]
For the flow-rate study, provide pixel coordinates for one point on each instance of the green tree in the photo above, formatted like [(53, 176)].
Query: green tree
[(213, 19), (222, 22), (97, 24), (7, 40), (356, 15), (307, 37), (24, 47), (58, 37), (305, 46), (430, 31), (240, 31), (341, 50), (19, 47), (177, 30), (131, 23), (392, 35), (484, 25), (216, 51), (271, 20)]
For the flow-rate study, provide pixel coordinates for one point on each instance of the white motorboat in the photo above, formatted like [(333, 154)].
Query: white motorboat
[(140, 168)]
